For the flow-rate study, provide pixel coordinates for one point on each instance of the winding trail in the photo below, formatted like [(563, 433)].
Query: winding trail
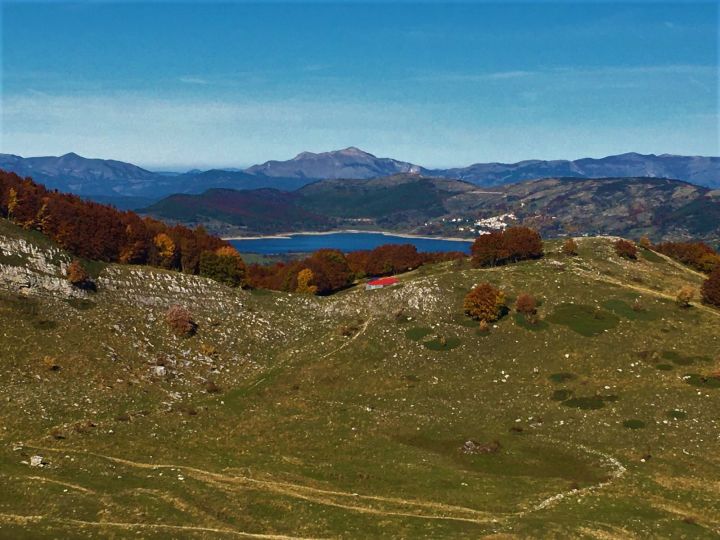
[(392, 506)]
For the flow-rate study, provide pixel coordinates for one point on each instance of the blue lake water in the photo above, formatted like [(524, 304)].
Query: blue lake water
[(344, 241)]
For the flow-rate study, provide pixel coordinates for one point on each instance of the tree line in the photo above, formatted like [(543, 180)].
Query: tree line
[(99, 232), (696, 255), (329, 270)]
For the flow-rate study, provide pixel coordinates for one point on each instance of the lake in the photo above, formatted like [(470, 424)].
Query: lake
[(344, 241)]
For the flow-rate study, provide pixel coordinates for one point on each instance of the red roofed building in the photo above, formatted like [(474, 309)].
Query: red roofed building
[(379, 283)]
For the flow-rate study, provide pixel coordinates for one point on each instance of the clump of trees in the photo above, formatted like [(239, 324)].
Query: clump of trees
[(626, 249), (697, 255), (711, 288), (485, 303), (180, 321), (99, 232), (570, 247), (502, 247), (329, 270)]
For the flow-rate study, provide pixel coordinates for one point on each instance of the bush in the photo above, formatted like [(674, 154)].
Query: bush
[(484, 303), (526, 305), (570, 247), (645, 242), (626, 249), (685, 296), (77, 275), (180, 321), (511, 245), (711, 288)]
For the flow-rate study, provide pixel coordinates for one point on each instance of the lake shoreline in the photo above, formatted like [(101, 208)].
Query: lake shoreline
[(288, 236)]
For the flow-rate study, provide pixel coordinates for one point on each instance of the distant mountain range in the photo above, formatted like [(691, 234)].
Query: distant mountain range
[(128, 185), (661, 208)]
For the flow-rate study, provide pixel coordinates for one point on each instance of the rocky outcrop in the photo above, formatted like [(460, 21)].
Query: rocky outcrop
[(27, 269)]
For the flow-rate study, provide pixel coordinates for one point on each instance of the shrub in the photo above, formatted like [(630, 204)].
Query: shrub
[(685, 296), (484, 303), (645, 242), (626, 249), (711, 288), (77, 275), (180, 321), (511, 245), (526, 305), (570, 247)]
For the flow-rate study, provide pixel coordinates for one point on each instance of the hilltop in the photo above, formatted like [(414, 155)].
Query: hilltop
[(663, 209), (366, 413)]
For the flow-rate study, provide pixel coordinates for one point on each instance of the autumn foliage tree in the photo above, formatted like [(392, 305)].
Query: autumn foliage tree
[(511, 245), (626, 249), (484, 303), (304, 282), (711, 288)]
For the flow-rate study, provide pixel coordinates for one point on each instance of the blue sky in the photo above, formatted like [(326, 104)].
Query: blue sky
[(175, 85)]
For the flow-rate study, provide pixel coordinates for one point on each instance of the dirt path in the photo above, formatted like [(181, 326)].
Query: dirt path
[(403, 507), (129, 526)]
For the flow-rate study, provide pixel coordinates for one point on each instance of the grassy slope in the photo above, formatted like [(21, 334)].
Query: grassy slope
[(316, 434)]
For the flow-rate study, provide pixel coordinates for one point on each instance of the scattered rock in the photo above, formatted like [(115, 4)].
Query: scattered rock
[(37, 461), (474, 447)]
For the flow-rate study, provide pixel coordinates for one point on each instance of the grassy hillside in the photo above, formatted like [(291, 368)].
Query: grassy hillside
[(347, 416)]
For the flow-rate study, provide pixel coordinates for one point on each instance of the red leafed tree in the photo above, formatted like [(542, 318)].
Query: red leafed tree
[(511, 245), (711, 288)]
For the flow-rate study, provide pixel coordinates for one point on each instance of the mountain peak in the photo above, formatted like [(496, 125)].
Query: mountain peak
[(353, 151)]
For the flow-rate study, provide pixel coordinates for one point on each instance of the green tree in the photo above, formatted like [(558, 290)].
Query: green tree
[(224, 267)]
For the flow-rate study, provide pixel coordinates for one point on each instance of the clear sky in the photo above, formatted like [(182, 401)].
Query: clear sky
[(175, 85)]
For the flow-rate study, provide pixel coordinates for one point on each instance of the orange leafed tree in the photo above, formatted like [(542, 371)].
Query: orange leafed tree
[(484, 303), (511, 245), (304, 279)]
